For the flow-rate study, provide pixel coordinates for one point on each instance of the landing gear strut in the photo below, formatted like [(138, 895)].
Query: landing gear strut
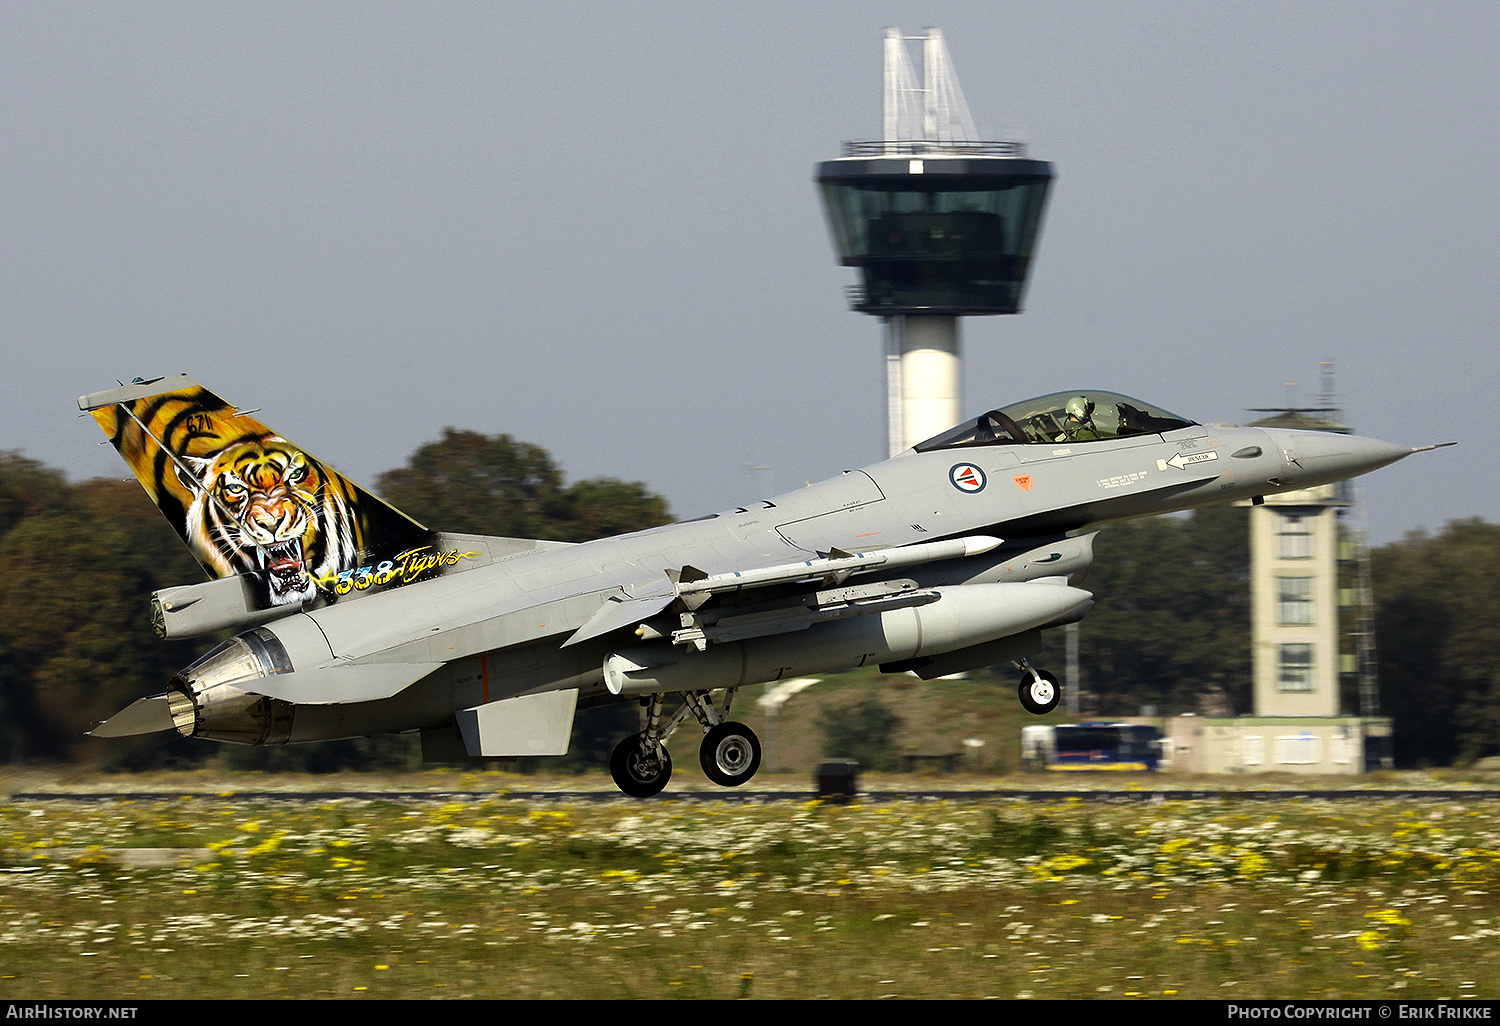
[(640, 763), (729, 754), (1039, 691)]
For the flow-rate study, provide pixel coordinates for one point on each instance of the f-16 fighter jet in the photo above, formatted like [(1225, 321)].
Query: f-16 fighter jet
[(353, 619)]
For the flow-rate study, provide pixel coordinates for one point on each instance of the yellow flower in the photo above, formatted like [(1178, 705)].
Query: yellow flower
[(1389, 916)]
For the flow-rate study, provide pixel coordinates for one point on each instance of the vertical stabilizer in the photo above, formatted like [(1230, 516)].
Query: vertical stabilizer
[(247, 501)]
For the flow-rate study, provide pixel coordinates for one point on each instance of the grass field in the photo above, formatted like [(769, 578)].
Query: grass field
[(495, 896)]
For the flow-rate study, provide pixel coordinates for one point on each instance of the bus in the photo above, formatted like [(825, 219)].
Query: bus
[(1129, 747)]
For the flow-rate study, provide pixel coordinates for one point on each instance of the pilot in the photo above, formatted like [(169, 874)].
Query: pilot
[(1078, 421)]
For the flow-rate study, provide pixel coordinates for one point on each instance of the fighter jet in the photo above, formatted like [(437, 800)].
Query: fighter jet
[(353, 619)]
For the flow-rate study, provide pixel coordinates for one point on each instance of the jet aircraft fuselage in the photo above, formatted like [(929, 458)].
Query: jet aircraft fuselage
[(949, 556)]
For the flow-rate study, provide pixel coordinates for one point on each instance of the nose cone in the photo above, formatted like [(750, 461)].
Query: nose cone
[(1323, 457)]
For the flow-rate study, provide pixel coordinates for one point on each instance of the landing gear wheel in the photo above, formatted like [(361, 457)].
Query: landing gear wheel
[(640, 772), (1039, 692), (730, 754)]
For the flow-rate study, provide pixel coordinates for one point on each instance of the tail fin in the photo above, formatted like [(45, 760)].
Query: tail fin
[(247, 501)]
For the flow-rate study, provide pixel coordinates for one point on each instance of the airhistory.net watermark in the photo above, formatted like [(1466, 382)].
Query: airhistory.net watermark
[(46, 1010)]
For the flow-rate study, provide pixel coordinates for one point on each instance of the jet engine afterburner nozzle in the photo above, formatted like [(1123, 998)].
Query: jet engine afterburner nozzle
[(209, 699)]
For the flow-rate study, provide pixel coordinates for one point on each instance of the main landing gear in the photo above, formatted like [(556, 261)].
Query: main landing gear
[(729, 753), (640, 768), (1039, 690)]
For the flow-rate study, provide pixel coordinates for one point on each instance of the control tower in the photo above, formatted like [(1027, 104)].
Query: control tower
[(940, 223)]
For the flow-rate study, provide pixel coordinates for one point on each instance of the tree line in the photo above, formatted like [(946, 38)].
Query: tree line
[(1171, 628)]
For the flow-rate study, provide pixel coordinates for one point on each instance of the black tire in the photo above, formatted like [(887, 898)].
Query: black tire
[(730, 754), (636, 773), (1040, 694)]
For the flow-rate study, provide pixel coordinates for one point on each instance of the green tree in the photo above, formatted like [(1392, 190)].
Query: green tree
[(601, 507), (481, 484), (1437, 630), (359, 754), (864, 731), (1172, 618), (75, 640), (74, 617), (28, 488)]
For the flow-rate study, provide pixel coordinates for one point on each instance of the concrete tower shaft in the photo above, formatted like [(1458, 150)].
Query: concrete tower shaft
[(924, 375)]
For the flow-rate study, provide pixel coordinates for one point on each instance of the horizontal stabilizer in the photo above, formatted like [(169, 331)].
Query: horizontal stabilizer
[(528, 725), (143, 716), (334, 685)]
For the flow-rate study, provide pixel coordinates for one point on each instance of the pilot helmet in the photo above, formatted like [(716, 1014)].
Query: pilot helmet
[(1079, 408)]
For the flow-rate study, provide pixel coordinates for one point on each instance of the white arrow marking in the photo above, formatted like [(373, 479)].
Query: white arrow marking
[(1183, 460)]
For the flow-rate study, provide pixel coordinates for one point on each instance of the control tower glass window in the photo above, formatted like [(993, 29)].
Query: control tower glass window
[(924, 244)]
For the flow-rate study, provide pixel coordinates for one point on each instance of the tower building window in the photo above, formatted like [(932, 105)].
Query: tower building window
[(1295, 601), (1294, 539), (1296, 667)]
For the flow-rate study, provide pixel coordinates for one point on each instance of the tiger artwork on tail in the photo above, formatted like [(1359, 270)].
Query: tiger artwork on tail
[(266, 506), (247, 501)]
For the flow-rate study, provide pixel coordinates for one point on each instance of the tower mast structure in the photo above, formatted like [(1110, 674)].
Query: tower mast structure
[(941, 224)]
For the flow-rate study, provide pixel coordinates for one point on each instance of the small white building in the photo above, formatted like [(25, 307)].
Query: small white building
[(1275, 744)]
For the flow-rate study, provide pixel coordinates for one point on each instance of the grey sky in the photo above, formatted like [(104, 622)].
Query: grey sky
[(593, 225)]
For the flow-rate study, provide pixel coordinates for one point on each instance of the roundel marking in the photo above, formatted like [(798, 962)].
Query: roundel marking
[(967, 478)]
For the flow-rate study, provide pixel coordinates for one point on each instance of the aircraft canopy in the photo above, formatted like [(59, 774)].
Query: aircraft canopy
[(1080, 416)]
